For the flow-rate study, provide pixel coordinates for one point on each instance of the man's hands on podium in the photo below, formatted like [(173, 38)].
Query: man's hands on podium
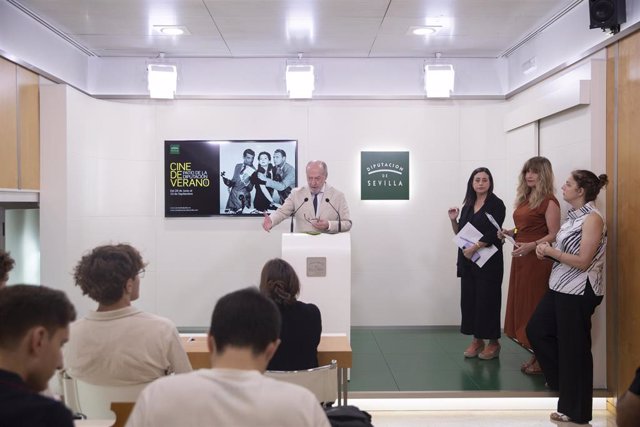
[(267, 223), (320, 224)]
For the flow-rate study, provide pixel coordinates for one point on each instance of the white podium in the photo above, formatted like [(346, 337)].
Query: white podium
[(332, 292)]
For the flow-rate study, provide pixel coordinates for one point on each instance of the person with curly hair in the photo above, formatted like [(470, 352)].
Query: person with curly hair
[(301, 322), (6, 265), (119, 344)]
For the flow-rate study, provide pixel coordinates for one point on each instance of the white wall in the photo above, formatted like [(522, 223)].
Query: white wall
[(102, 181), (108, 186)]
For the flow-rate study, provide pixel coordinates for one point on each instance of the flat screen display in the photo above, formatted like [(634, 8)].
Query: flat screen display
[(230, 178)]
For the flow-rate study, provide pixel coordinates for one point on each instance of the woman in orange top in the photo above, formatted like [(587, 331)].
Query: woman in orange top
[(537, 220)]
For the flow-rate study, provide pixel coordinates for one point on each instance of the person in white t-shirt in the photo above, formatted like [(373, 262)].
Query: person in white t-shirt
[(242, 339), (119, 344)]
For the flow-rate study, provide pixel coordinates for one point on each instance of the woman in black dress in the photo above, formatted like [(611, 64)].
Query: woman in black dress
[(481, 293), (301, 322), (263, 198)]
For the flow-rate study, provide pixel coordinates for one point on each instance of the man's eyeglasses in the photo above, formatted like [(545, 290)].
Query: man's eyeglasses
[(141, 273), (310, 220)]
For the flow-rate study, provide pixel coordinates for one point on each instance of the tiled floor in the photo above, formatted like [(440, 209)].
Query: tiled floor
[(430, 359)]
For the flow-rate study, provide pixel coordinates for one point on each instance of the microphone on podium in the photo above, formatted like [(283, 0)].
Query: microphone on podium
[(306, 199), (334, 208)]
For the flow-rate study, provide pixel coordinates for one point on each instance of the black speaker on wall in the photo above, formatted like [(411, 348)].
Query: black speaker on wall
[(607, 14)]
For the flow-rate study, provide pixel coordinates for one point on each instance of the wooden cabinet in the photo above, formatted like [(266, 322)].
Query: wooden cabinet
[(28, 129), (19, 128), (8, 126)]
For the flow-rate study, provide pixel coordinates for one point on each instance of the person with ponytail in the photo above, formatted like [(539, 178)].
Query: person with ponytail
[(301, 322), (560, 327)]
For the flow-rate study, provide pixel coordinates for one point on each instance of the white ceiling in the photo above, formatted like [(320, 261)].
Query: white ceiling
[(259, 28)]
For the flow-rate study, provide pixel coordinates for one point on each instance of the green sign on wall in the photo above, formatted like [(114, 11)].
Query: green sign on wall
[(384, 175)]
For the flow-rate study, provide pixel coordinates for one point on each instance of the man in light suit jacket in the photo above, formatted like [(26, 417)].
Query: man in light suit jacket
[(318, 207)]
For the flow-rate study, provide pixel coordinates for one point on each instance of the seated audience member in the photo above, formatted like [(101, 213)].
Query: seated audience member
[(34, 325), (301, 322), (119, 344), (6, 265), (242, 339), (628, 408)]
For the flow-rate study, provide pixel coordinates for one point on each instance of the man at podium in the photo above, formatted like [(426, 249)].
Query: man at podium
[(317, 207)]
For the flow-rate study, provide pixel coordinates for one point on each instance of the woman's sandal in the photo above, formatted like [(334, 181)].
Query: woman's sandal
[(528, 363), (533, 369), (557, 416)]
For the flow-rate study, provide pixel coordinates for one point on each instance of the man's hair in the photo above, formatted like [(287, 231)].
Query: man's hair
[(23, 307), (103, 273), (245, 319), (281, 151), (6, 264), (248, 151), (322, 164)]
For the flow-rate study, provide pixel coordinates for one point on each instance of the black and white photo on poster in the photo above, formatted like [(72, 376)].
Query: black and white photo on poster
[(256, 176), (235, 178)]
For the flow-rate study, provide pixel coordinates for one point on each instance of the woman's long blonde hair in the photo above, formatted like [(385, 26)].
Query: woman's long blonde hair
[(544, 188)]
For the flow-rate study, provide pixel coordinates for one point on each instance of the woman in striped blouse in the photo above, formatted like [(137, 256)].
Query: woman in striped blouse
[(560, 328)]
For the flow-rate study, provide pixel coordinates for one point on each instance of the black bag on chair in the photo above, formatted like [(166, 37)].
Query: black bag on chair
[(348, 416)]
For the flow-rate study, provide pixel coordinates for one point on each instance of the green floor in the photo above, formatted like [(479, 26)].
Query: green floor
[(430, 359)]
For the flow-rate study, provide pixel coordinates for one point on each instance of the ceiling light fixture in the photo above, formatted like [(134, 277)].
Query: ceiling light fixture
[(439, 79), (171, 30), (300, 79), (162, 79), (426, 30)]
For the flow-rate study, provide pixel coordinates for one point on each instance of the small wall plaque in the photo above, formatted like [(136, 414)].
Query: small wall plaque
[(317, 266)]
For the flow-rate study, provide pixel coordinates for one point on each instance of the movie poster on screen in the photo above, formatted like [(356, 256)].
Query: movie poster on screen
[(231, 178), (191, 178)]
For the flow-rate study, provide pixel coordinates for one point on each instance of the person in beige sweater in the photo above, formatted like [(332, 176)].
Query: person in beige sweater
[(119, 344)]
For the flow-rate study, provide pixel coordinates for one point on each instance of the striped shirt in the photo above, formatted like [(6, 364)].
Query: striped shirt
[(570, 280)]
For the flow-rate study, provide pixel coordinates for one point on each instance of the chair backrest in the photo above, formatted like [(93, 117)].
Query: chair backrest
[(94, 401), (321, 381), (122, 411)]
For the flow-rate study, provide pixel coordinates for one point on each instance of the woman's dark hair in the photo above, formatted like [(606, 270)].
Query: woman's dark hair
[(470, 197), (266, 154), (279, 282), (590, 183)]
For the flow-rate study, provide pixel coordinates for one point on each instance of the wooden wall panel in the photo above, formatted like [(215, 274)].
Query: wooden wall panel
[(628, 247), (612, 284), (29, 129), (8, 126)]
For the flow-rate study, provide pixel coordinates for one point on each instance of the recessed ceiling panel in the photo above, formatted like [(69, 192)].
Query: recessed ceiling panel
[(259, 28)]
